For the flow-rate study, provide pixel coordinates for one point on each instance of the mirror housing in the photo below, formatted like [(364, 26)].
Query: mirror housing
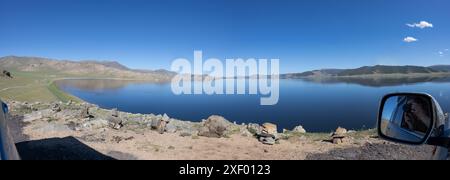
[(407, 118)]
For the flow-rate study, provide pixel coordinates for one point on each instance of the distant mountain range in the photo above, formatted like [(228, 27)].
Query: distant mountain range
[(110, 69), (371, 70), (114, 69)]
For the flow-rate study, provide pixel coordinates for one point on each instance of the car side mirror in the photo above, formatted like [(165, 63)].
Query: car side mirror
[(406, 117)]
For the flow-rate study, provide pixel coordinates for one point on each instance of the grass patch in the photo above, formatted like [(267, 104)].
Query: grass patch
[(33, 87), (62, 96), (313, 136)]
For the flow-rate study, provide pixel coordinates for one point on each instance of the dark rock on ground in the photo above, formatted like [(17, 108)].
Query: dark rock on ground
[(214, 126)]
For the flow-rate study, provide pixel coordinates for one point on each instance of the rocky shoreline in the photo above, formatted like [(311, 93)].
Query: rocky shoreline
[(86, 117), (108, 130)]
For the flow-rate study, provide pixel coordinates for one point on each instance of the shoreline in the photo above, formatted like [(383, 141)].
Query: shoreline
[(45, 128)]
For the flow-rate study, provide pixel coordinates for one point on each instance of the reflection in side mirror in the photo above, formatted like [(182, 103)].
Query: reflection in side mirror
[(406, 118)]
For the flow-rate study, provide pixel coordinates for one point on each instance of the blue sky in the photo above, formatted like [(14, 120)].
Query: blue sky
[(303, 34)]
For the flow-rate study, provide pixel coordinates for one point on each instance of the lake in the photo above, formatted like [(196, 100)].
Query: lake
[(318, 105)]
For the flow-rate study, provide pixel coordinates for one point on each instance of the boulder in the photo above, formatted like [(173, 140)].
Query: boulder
[(95, 124), (339, 136), (165, 118), (154, 123), (161, 126), (84, 113), (114, 113), (170, 128), (32, 116), (268, 134), (339, 133), (56, 107), (115, 120), (299, 129), (214, 126), (267, 140), (7, 74), (158, 123), (269, 128)]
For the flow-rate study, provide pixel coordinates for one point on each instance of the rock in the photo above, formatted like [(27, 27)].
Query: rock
[(95, 124), (7, 74), (267, 140), (32, 116), (246, 133), (299, 129), (154, 123), (73, 126), (161, 127), (214, 126), (159, 124), (337, 141), (117, 126), (114, 119), (185, 133), (170, 128), (339, 136), (115, 122), (254, 128), (340, 132), (266, 135), (269, 128), (84, 113), (70, 102), (56, 108), (114, 113), (166, 118)]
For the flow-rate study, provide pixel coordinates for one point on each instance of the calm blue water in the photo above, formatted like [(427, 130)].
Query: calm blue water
[(317, 106)]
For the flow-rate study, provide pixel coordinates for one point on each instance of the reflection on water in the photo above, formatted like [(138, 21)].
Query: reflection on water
[(317, 105), (97, 84)]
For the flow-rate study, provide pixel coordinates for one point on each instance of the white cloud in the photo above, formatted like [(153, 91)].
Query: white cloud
[(421, 25), (443, 53), (410, 39)]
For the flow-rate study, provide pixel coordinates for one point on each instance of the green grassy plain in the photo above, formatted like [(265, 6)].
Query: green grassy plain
[(33, 87)]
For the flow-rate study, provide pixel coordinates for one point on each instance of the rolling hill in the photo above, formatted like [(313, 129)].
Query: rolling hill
[(441, 67), (371, 70), (379, 69), (108, 69)]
